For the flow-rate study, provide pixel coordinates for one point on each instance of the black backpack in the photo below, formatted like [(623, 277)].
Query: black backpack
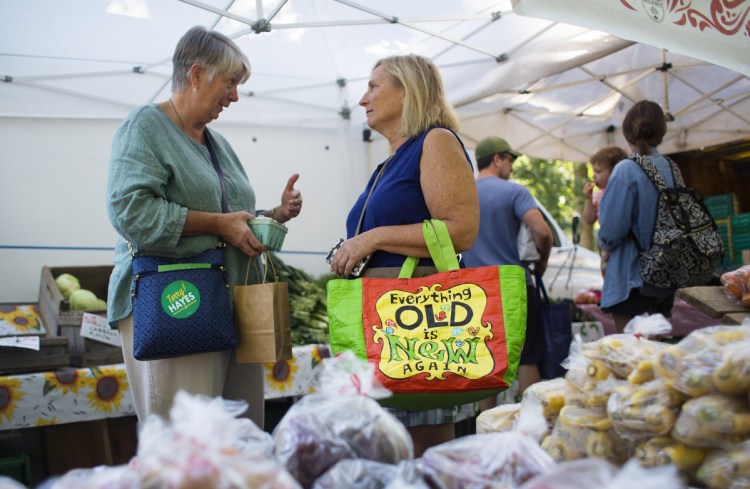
[(686, 249)]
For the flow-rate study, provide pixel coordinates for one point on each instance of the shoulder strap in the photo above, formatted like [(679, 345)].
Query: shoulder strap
[(439, 244), (676, 173), (369, 194), (217, 168), (650, 170)]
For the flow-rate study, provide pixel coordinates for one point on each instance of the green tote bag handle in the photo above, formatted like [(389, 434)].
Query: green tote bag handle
[(440, 246)]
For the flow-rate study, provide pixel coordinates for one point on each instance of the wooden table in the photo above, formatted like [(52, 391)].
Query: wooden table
[(711, 301)]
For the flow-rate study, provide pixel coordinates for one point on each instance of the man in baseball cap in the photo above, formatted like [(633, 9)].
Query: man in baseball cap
[(505, 206), (494, 145)]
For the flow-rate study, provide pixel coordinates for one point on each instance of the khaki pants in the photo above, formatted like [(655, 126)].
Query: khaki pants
[(154, 383)]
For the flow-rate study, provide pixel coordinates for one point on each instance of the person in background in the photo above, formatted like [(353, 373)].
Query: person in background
[(427, 175), (164, 196), (602, 163), (503, 206), (627, 213)]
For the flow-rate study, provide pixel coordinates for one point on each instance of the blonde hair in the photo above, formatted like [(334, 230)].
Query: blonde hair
[(213, 51), (425, 101)]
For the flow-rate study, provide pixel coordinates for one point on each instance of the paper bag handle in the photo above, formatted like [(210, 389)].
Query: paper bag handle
[(265, 269), (439, 244)]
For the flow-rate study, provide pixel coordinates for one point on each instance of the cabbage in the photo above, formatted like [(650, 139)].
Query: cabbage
[(82, 299), (101, 305), (67, 284)]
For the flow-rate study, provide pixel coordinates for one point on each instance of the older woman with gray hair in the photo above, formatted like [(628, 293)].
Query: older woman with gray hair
[(165, 198)]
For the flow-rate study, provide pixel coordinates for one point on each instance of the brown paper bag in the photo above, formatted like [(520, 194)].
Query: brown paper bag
[(261, 314)]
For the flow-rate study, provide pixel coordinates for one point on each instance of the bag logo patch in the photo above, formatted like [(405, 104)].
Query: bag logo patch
[(431, 332), (180, 299)]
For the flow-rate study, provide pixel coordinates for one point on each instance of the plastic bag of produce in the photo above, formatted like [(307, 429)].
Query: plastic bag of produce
[(540, 405), (622, 353), (689, 365), (492, 460), (737, 285), (589, 381), (368, 474), (339, 421), (639, 412), (732, 374), (727, 469), (585, 432), (665, 450), (714, 421), (499, 419), (205, 445), (102, 477), (599, 474)]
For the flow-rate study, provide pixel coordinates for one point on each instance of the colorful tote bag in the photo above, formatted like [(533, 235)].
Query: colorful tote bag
[(446, 339)]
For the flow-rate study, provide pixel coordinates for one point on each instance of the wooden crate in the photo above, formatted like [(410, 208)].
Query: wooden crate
[(56, 312), (98, 353), (111, 441), (52, 354)]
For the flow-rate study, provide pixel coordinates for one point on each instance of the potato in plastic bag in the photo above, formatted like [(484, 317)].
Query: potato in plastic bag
[(551, 395), (727, 469), (732, 374), (491, 460), (585, 432), (665, 450), (690, 364), (714, 420), (338, 422), (589, 382), (599, 474), (499, 419), (642, 411), (622, 353)]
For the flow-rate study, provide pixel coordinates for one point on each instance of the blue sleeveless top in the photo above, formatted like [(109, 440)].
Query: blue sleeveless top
[(396, 200)]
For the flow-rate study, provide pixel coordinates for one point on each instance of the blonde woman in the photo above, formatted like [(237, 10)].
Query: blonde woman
[(427, 175)]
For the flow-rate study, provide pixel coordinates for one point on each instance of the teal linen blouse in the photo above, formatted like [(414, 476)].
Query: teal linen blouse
[(157, 173)]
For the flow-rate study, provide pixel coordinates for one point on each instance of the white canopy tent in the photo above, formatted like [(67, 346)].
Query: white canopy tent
[(552, 89), (73, 70)]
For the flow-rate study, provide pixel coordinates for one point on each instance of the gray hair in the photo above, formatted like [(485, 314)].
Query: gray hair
[(214, 51)]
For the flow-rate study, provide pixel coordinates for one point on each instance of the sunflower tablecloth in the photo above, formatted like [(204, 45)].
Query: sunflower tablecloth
[(73, 395)]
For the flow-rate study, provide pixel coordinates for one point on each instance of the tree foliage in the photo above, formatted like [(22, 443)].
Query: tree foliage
[(555, 183)]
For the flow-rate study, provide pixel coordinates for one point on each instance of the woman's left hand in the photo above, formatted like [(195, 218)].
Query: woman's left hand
[(291, 201)]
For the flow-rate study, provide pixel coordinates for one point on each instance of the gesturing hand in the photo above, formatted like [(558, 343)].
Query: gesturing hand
[(291, 201)]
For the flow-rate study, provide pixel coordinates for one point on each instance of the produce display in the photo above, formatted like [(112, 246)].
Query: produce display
[(79, 299), (339, 421), (626, 397), (307, 303)]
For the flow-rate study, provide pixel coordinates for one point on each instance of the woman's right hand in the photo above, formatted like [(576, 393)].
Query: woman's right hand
[(238, 234), (351, 252)]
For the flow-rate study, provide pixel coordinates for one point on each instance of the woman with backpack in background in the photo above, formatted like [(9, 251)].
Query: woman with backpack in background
[(627, 218)]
